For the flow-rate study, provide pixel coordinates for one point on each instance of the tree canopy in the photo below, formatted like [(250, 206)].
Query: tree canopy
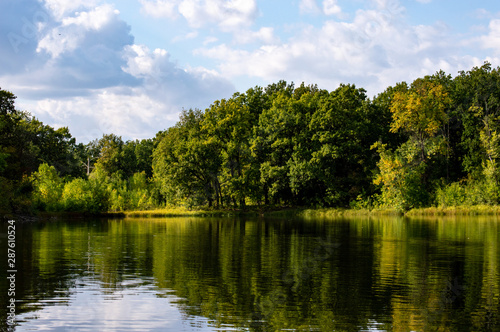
[(435, 141)]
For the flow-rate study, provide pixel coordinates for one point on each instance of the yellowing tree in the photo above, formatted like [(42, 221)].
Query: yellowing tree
[(420, 112)]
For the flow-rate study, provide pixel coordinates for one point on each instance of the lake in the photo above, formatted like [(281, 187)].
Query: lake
[(256, 274)]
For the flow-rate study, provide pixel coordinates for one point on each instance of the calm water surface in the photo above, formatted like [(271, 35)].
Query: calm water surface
[(205, 274)]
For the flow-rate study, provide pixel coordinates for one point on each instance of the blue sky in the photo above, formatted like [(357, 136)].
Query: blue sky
[(130, 66)]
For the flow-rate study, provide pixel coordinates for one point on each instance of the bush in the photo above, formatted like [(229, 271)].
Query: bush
[(453, 194), (76, 195), (48, 188), (481, 192)]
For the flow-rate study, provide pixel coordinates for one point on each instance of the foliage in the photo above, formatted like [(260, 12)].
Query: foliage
[(401, 183), (475, 98), (404, 174), (48, 187), (454, 194), (411, 146), (186, 164)]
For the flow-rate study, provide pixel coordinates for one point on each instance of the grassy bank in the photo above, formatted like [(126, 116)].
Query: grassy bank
[(268, 211), (276, 211), (247, 211), (272, 211), (176, 212), (474, 210)]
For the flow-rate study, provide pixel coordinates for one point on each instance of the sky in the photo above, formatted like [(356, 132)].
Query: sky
[(129, 67)]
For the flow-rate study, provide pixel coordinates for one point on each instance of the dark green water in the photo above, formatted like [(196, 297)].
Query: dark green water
[(197, 274)]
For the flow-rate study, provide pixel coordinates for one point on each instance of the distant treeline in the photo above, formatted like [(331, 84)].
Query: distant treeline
[(434, 142)]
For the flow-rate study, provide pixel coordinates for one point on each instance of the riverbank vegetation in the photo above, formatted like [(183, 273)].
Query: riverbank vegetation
[(432, 143)]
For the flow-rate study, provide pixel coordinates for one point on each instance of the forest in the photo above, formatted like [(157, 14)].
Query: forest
[(434, 142)]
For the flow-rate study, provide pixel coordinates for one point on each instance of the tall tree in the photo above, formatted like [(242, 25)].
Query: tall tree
[(186, 163), (342, 131), (476, 99), (228, 124), (110, 148), (281, 144), (420, 112)]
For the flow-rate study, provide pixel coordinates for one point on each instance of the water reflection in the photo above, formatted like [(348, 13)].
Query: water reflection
[(262, 275)]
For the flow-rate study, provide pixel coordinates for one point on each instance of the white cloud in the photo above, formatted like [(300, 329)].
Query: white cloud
[(374, 51), (264, 35), (482, 13), (94, 19), (331, 7), (134, 112), (85, 72), (160, 8), (309, 7), (226, 14), (62, 8), (171, 84), (187, 36), (389, 7), (71, 32), (210, 40), (140, 62), (492, 40), (131, 114)]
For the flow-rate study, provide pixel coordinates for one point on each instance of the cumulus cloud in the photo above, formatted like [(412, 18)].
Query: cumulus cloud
[(141, 111), (84, 70), (136, 112), (492, 40), (73, 30), (330, 7), (167, 82), (62, 8), (374, 50), (129, 113), (226, 14), (78, 52)]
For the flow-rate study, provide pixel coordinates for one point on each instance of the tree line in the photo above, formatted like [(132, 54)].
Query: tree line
[(434, 142)]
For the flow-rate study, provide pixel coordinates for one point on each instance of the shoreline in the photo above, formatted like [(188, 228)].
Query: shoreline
[(266, 211), (475, 210)]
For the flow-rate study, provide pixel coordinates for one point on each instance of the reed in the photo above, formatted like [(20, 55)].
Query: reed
[(324, 213), (461, 210)]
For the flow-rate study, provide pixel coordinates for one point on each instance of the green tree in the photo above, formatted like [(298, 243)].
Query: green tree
[(228, 125), (48, 187), (421, 112), (186, 163), (25, 144), (273, 146), (475, 96), (144, 156), (490, 139), (110, 159), (55, 147), (342, 131)]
